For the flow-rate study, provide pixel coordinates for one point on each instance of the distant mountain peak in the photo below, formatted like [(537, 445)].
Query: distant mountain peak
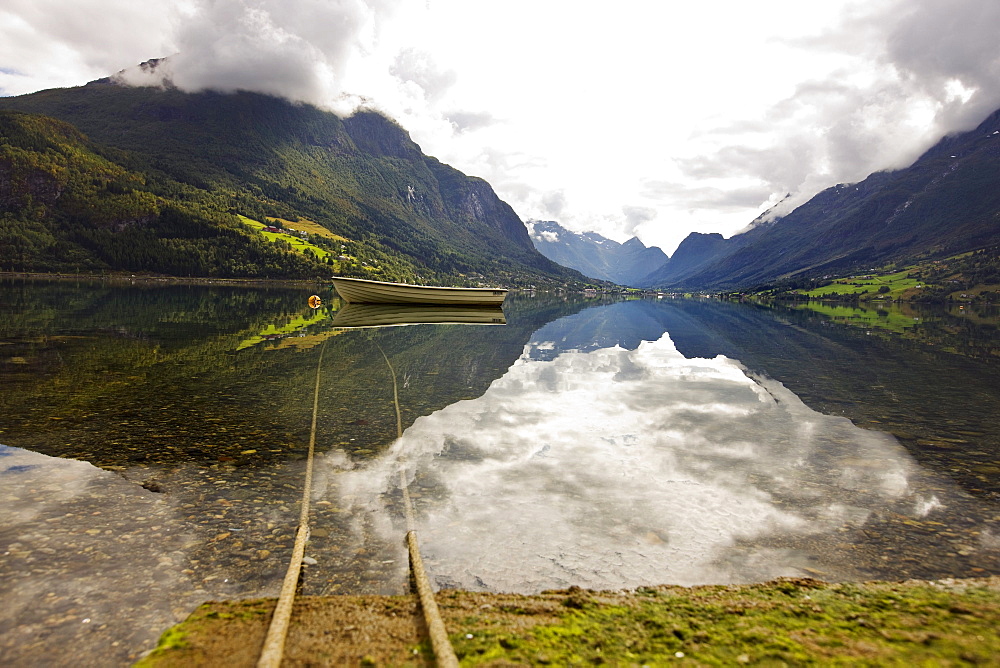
[(594, 254), (544, 231), (153, 72)]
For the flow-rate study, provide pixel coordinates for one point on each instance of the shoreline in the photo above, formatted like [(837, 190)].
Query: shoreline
[(788, 620), (162, 279)]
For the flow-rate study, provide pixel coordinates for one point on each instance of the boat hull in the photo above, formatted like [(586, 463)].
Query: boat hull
[(362, 291)]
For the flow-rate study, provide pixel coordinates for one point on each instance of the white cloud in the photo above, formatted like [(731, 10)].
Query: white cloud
[(636, 216), (699, 113), (553, 203), (52, 43), (418, 67), (541, 235), (908, 73)]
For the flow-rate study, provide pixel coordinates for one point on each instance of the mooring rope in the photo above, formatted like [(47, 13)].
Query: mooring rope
[(274, 643), (443, 651)]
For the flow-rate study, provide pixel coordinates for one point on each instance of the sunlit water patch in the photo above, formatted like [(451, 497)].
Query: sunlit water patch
[(90, 560), (93, 560)]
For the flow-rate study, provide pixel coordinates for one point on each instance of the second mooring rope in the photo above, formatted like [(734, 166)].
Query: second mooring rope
[(443, 651), (274, 643)]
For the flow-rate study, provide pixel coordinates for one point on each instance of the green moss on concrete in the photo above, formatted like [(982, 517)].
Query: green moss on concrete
[(174, 638), (785, 621), (179, 644)]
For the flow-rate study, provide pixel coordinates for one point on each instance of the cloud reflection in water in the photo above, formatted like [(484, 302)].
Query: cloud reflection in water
[(620, 468)]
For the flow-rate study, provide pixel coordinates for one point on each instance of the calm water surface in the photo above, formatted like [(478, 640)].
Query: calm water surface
[(154, 439)]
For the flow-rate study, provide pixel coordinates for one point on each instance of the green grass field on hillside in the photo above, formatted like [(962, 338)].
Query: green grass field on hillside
[(297, 243), (897, 283), (304, 225)]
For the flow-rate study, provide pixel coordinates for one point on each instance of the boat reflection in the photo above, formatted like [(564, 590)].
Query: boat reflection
[(394, 315)]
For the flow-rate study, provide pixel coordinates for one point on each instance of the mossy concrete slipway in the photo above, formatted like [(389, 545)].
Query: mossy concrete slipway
[(782, 622)]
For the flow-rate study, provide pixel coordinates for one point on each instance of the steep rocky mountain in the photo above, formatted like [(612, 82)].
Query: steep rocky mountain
[(947, 202), (397, 213), (594, 255)]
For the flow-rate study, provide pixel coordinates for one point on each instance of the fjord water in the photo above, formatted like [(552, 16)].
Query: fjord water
[(154, 438)]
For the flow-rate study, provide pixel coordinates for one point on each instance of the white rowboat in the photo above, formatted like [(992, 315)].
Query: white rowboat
[(362, 291)]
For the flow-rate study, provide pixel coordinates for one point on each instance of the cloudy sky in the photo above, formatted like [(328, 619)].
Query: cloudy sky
[(648, 117)]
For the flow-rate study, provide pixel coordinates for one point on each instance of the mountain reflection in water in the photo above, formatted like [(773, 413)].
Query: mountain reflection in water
[(620, 468)]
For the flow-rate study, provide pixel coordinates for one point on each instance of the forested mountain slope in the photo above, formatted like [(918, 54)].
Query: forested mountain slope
[(396, 213), (947, 202), (66, 208)]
